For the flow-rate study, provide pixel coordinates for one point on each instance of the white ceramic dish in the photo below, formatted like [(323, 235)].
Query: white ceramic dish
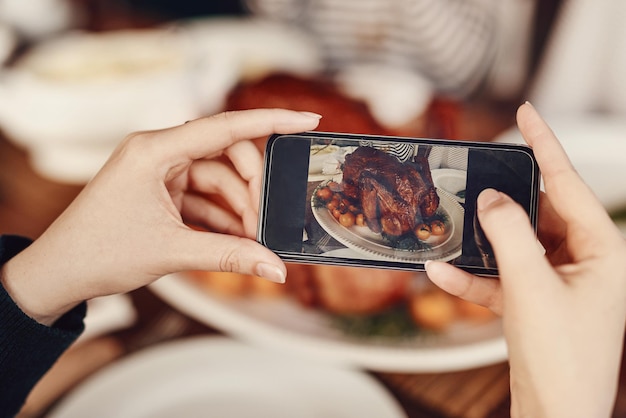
[(219, 377), (71, 99), (285, 325), (596, 145)]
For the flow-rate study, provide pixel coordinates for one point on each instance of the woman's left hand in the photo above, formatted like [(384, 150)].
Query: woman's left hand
[(127, 227)]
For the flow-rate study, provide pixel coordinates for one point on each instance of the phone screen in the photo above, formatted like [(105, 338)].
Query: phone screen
[(387, 202)]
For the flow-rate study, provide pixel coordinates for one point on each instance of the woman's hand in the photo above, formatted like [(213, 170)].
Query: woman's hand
[(564, 311), (126, 228)]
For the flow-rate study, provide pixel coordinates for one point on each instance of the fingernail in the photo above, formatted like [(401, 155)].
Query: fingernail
[(529, 103), (487, 197), (311, 115), (270, 272)]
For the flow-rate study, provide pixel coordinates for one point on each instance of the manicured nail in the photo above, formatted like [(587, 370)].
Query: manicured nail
[(487, 197), (270, 272), (311, 115)]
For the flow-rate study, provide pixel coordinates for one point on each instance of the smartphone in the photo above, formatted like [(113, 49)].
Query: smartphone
[(387, 202)]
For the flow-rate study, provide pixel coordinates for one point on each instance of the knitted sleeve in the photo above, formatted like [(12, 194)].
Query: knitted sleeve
[(27, 348)]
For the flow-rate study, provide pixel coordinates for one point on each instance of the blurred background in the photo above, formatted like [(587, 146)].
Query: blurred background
[(77, 76)]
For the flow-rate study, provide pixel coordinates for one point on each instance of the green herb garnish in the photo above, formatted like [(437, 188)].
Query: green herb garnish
[(393, 323)]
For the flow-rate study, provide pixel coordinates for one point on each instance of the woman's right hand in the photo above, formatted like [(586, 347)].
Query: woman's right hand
[(564, 311)]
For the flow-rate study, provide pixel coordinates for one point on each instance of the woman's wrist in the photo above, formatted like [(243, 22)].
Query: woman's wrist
[(25, 281)]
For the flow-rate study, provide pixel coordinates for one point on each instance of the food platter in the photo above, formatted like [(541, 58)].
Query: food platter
[(362, 240), (285, 325)]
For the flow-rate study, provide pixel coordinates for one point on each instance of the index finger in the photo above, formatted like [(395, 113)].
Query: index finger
[(570, 197), (550, 155), (206, 137)]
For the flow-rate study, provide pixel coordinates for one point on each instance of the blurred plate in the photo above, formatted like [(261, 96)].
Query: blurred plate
[(596, 145), (217, 376), (285, 325), (363, 240)]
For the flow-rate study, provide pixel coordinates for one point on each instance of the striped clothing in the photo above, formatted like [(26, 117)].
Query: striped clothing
[(402, 151), (450, 42)]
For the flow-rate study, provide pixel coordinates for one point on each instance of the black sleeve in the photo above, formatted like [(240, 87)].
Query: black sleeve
[(27, 348)]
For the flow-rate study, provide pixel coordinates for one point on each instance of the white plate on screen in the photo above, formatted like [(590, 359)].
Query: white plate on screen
[(283, 324), (362, 240), (220, 377)]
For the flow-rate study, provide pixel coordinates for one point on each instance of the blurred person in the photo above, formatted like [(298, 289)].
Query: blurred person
[(460, 47), (563, 311), (396, 55), (584, 62), (125, 230)]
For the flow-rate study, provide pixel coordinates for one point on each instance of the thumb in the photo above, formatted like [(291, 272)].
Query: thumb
[(220, 252), (508, 229)]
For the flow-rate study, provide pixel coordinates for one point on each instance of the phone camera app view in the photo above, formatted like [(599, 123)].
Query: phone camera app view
[(393, 202)]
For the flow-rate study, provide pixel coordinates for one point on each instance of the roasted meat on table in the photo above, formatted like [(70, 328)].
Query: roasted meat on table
[(395, 196)]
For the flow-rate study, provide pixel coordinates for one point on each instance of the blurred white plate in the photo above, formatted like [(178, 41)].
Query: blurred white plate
[(106, 314), (284, 325), (219, 377), (596, 145)]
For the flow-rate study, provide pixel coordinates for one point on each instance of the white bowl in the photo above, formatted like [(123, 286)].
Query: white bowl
[(319, 155), (70, 100), (596, 145), (452, 181)]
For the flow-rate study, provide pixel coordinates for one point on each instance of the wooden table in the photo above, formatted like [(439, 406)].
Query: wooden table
[(29, 203)]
